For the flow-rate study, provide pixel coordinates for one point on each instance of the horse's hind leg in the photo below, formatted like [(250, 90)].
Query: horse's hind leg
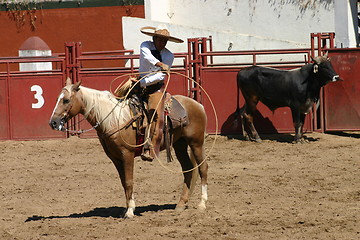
[(182, 155), (198, 153)]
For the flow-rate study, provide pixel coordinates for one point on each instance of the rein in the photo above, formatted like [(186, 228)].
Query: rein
[(78, 132)]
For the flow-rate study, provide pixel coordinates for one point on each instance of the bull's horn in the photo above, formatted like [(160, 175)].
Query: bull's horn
[(326, 54)]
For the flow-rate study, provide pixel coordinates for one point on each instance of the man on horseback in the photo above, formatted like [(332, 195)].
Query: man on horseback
[(155, 58)]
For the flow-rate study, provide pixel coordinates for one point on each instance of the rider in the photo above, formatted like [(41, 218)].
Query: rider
[(155, 58)]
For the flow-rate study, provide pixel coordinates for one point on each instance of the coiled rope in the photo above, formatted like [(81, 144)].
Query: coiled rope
[(152, 119)]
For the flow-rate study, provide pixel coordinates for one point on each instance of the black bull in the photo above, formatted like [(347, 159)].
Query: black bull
[(298, 89)]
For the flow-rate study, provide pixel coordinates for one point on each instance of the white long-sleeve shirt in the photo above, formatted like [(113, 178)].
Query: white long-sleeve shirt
[(148, 61)]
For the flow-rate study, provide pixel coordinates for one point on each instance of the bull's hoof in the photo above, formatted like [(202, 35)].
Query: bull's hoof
[(300, 140), (258, 140)]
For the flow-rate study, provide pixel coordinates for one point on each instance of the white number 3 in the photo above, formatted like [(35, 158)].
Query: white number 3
[(38, 96)]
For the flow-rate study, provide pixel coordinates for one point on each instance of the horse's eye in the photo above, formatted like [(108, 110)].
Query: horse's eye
[(66, 101)]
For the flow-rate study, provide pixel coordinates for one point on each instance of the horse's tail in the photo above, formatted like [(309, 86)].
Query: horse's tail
[(195, 173)]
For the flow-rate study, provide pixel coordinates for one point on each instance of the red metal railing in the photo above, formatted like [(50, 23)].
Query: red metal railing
[(200, 61)]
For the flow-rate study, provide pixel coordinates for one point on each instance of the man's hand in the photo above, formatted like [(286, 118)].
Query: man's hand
[(163, 66)]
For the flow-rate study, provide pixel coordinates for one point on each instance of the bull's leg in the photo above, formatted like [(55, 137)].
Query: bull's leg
[(243, 129), (248, 114), (250, 121), (182, 155), (125, 169), (298, 119)]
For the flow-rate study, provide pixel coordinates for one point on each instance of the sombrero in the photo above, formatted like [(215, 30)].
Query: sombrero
[(160, 31)]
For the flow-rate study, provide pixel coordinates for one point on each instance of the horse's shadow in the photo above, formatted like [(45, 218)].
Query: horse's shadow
[(115, 212)]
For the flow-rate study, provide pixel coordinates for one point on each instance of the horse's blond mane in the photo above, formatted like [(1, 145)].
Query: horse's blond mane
[(105, 108)]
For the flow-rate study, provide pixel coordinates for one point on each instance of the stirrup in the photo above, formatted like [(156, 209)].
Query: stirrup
[(146, 156)]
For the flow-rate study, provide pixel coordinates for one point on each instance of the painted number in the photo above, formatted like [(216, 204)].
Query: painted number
[(38, 96)]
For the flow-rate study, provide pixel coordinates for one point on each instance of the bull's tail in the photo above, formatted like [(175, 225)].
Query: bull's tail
[(238, 111)]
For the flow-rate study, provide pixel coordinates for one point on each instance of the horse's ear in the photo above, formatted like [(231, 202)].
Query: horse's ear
[(76, 86), (68, 82)]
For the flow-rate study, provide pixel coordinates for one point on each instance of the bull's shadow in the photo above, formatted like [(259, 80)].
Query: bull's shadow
[(115, 212), (346, 134), (265, 127)]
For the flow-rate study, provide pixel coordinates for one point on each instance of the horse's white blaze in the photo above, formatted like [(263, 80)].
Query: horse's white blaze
[(204, 197), (57, 103)]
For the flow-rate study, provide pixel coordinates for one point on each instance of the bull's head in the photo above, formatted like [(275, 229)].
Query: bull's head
[(324, 69)]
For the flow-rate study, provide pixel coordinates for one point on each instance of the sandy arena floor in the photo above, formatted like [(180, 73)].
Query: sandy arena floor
[(69, 189)]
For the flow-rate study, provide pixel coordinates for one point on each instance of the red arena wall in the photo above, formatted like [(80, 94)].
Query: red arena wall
[(96, 24)]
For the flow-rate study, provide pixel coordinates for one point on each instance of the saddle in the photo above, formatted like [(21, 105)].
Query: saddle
[(175, 116)]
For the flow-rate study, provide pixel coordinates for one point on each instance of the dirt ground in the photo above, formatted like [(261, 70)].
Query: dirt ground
[(69, 189)]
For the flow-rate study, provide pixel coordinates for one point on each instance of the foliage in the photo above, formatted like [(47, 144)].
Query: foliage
[(21, 12)]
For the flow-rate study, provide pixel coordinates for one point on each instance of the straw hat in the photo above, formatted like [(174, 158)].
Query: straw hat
[(160, 31)]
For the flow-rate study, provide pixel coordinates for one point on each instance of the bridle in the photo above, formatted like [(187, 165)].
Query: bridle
[(65, 118)]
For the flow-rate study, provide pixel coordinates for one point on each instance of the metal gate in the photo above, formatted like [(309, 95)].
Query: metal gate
[(27, 99), (339, 105)]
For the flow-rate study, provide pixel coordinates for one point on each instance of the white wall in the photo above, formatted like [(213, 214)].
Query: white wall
[(346, 23), (247, 24)]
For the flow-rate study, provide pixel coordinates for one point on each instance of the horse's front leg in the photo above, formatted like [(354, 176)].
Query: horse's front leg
[(182, 155), (125, 168)]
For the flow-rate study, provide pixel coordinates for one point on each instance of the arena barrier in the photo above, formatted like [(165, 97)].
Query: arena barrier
[(27, 98)]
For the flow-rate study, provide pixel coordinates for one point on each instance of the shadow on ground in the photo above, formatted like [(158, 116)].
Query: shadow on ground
[(115, 212)]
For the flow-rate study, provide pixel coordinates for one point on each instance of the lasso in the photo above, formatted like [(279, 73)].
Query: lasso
[(152, 119)]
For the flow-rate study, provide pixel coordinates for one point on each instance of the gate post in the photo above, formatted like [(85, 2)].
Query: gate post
[(196, 46), (322, 42), (72, 64)]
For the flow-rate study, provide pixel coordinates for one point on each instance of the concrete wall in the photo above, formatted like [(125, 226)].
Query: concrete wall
[(346, 24), (246, 24)]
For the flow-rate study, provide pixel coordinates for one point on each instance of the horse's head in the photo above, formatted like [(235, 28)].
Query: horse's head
[(68, 105)]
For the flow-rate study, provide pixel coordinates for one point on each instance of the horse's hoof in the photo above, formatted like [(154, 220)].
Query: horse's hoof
[(258, 140), (180, 208), (201, 206), (129, 214)]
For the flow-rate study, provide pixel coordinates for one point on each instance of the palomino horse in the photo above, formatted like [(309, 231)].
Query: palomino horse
[(110, 117)]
